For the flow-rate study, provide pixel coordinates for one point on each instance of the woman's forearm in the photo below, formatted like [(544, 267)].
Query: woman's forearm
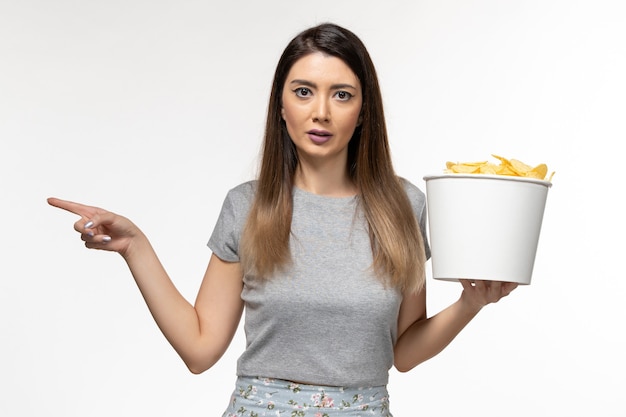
[(426, 338), (199, 333), (174, 315)]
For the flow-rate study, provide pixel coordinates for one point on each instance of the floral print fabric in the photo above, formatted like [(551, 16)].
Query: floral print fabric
[(264, 397)]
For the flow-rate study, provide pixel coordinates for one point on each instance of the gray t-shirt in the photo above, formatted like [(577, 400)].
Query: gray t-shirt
[(326, 319)]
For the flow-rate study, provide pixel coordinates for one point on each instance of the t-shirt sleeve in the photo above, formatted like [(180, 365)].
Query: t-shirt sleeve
[(224, 241), (423, 225), (418, 202)]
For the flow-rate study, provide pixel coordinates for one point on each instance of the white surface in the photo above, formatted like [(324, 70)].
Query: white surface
[(484, 227), (155, 108)]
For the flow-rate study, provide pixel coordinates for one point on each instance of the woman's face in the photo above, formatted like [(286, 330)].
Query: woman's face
[(321, 106)]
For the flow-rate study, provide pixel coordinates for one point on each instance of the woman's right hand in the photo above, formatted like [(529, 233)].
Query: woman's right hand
[(99, 228), (201, 333)]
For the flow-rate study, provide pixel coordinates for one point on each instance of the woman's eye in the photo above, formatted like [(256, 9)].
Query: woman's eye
[(343, 95), (302, 92)]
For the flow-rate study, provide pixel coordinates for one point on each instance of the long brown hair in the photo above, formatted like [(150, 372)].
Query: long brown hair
[(396, 241)]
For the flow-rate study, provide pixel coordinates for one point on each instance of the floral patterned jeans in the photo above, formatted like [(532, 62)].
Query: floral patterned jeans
[(258, 397)]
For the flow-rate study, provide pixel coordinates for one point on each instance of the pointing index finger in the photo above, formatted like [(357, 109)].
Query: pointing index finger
[(72, 207)]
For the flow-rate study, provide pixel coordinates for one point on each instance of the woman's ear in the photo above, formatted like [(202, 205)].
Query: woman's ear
[(360, 119)]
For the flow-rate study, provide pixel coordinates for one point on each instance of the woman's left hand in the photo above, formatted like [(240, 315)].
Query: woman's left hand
[(480, 293)]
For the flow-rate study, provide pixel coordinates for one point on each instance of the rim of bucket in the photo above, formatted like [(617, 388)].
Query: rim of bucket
[(490, 177)]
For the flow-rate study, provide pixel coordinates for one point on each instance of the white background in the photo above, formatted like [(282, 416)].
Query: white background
[(154, 109)]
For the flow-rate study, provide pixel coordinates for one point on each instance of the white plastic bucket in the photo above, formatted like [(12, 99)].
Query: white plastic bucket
[(484, 227)]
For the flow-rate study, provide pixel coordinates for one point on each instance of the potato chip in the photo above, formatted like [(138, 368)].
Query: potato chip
[(510, 167)]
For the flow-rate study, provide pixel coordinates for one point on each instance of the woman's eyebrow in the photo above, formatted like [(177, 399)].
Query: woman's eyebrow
[(303, 82), (313, 85)]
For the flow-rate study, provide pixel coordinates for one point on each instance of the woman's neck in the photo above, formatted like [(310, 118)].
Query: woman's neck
[(326, 179)]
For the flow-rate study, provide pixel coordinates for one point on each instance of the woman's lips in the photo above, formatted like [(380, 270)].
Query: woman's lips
[(319, 136)]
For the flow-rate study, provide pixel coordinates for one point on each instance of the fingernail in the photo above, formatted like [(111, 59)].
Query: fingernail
[(90, 233), (106, 239), (88, 225)]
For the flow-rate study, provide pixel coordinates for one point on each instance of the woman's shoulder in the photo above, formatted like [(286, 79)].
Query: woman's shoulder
[(414, 193), (243, 191), (239, 199), (248, 187)]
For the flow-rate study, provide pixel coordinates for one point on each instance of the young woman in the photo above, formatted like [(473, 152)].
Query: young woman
[(325, 250)]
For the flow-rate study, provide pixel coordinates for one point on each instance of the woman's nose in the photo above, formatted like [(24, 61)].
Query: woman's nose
[(321, 112)]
